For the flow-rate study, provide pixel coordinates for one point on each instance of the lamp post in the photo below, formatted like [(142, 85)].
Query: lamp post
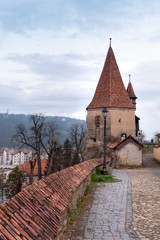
[(104, 169)]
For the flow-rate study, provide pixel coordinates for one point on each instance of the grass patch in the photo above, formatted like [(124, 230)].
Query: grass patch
[(98, 177), (88, 190), (98, 171), (74, 215)]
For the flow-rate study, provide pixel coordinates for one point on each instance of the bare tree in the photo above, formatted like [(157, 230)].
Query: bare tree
[(77, 134), (33, 137), (49, 144)]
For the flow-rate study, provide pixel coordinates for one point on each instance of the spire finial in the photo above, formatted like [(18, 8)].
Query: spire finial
[(129, 77), (110, 41)]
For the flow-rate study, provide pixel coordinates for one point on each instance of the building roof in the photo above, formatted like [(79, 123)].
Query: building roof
[(24, 150), (16, 151), (137, 117), (3, 149), (110, 91), (26, 167), (131, 91), (125, 142)]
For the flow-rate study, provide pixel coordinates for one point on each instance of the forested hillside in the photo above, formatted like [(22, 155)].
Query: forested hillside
[(8, 123)]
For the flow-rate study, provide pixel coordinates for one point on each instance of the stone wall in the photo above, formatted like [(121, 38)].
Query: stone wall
[(156, 152), (42, 209), (130, 155)]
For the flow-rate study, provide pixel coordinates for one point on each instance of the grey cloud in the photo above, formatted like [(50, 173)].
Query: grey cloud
[(58, 84), (64, 67), (64, 101)]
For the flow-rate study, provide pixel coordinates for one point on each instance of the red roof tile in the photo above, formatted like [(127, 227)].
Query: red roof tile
[(110, 91), (112, 145), (26, 167)]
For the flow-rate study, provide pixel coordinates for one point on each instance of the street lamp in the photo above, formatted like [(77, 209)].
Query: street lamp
[(104, 113)]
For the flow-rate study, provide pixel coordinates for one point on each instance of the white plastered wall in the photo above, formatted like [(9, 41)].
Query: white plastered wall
[(130, 155)]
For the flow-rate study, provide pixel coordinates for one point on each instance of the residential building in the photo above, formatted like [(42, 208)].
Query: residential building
[(21, 156), (14, 156), (3, 156)]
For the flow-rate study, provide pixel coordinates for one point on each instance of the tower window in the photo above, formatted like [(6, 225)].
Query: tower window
[(97, 121), (123, 136)]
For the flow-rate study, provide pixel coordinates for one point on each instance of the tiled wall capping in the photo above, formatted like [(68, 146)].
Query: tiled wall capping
[(42, 209)]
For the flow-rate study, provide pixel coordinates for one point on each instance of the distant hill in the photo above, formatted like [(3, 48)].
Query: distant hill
[(8, 123)]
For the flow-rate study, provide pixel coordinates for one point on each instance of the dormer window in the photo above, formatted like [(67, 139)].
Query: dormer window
[(133, 101)]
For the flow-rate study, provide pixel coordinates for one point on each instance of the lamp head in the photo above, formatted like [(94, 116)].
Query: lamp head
[(104, 112)]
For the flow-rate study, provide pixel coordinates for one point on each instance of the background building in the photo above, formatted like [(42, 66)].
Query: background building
[(14, 156)]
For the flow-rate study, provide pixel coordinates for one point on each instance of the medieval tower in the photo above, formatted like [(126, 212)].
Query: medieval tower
[(121, 105)]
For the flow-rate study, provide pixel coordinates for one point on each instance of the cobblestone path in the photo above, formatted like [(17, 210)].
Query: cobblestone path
[(110, 215), (146, 199)]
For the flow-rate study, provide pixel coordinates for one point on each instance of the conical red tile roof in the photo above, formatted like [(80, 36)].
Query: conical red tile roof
[(110, 91), (131, 91)]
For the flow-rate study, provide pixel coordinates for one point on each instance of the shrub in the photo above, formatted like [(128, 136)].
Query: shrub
[(98, 177)]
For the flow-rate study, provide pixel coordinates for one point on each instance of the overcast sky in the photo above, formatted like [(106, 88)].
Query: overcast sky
[(52, 53)]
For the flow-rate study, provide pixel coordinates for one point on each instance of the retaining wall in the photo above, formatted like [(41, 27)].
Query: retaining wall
[(41, 210)]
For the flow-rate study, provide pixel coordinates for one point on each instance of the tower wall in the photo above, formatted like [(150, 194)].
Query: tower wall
[(122, 121), (119, 121), (95, 128)]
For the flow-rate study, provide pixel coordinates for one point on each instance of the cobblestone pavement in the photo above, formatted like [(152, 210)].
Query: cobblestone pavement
[(110, 215), (146, 199)]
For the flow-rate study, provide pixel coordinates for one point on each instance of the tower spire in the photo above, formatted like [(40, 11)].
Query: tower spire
[(110, 41), (110, 91), (130, 91)]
